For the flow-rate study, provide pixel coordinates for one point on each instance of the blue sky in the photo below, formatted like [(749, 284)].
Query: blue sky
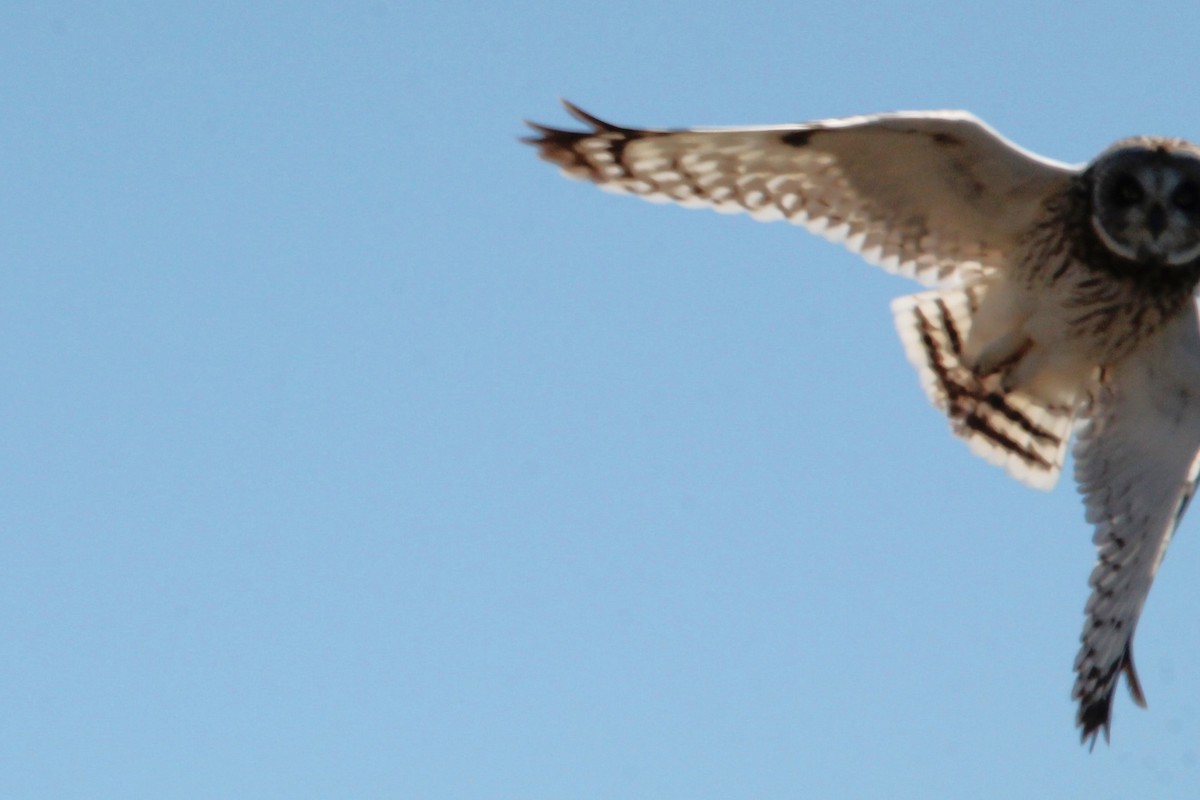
[(350, 452)]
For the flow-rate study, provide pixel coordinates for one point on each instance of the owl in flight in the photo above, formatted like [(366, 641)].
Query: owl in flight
[(1059, 299)]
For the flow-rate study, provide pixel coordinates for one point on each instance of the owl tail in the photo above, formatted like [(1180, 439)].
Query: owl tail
[(1009, 427)]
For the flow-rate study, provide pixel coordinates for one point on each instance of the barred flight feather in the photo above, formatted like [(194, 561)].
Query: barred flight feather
[(770, 174), (1136, 464), (1024, 435)]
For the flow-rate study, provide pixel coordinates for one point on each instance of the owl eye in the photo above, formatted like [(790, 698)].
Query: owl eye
[(1126, 191), (1187, 196)]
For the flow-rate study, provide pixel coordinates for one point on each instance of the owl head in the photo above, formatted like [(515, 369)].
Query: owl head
[(1146, 200)]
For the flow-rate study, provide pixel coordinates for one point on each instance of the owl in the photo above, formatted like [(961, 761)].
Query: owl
[(1058, 302)]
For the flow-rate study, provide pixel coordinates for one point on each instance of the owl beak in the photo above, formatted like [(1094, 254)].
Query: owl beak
[(1156, 220)]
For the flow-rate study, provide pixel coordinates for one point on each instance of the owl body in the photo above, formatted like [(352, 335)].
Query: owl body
[(1060, 303), (1064, 309), (1095, 302)]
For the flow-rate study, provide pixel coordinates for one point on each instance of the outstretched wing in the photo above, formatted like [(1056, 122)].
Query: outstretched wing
[(1136, 463), (938, 196)]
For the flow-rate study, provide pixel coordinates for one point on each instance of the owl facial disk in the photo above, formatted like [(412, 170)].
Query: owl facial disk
[(1146, 205)]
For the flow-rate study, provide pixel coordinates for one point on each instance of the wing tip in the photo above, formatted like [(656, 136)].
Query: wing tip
[(1095, 717), (1095, 706), (591, 120), (559, 145), (594, 123)]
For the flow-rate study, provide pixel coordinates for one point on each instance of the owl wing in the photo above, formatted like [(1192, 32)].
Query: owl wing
[(937, 196), (1136, 463)]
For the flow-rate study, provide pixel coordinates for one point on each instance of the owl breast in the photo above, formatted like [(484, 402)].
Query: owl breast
[(1087, 301)]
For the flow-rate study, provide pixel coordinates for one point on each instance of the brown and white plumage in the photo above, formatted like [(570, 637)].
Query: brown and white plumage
[(1023, 433), (855, 181), (1060, 295), (1136, 464)]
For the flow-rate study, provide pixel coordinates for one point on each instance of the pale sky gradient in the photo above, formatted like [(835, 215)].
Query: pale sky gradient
[(350, 452)]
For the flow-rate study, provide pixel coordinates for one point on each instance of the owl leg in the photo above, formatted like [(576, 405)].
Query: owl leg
[(1004, 355)]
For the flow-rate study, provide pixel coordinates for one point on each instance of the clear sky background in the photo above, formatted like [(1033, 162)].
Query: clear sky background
[(348, 451)]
